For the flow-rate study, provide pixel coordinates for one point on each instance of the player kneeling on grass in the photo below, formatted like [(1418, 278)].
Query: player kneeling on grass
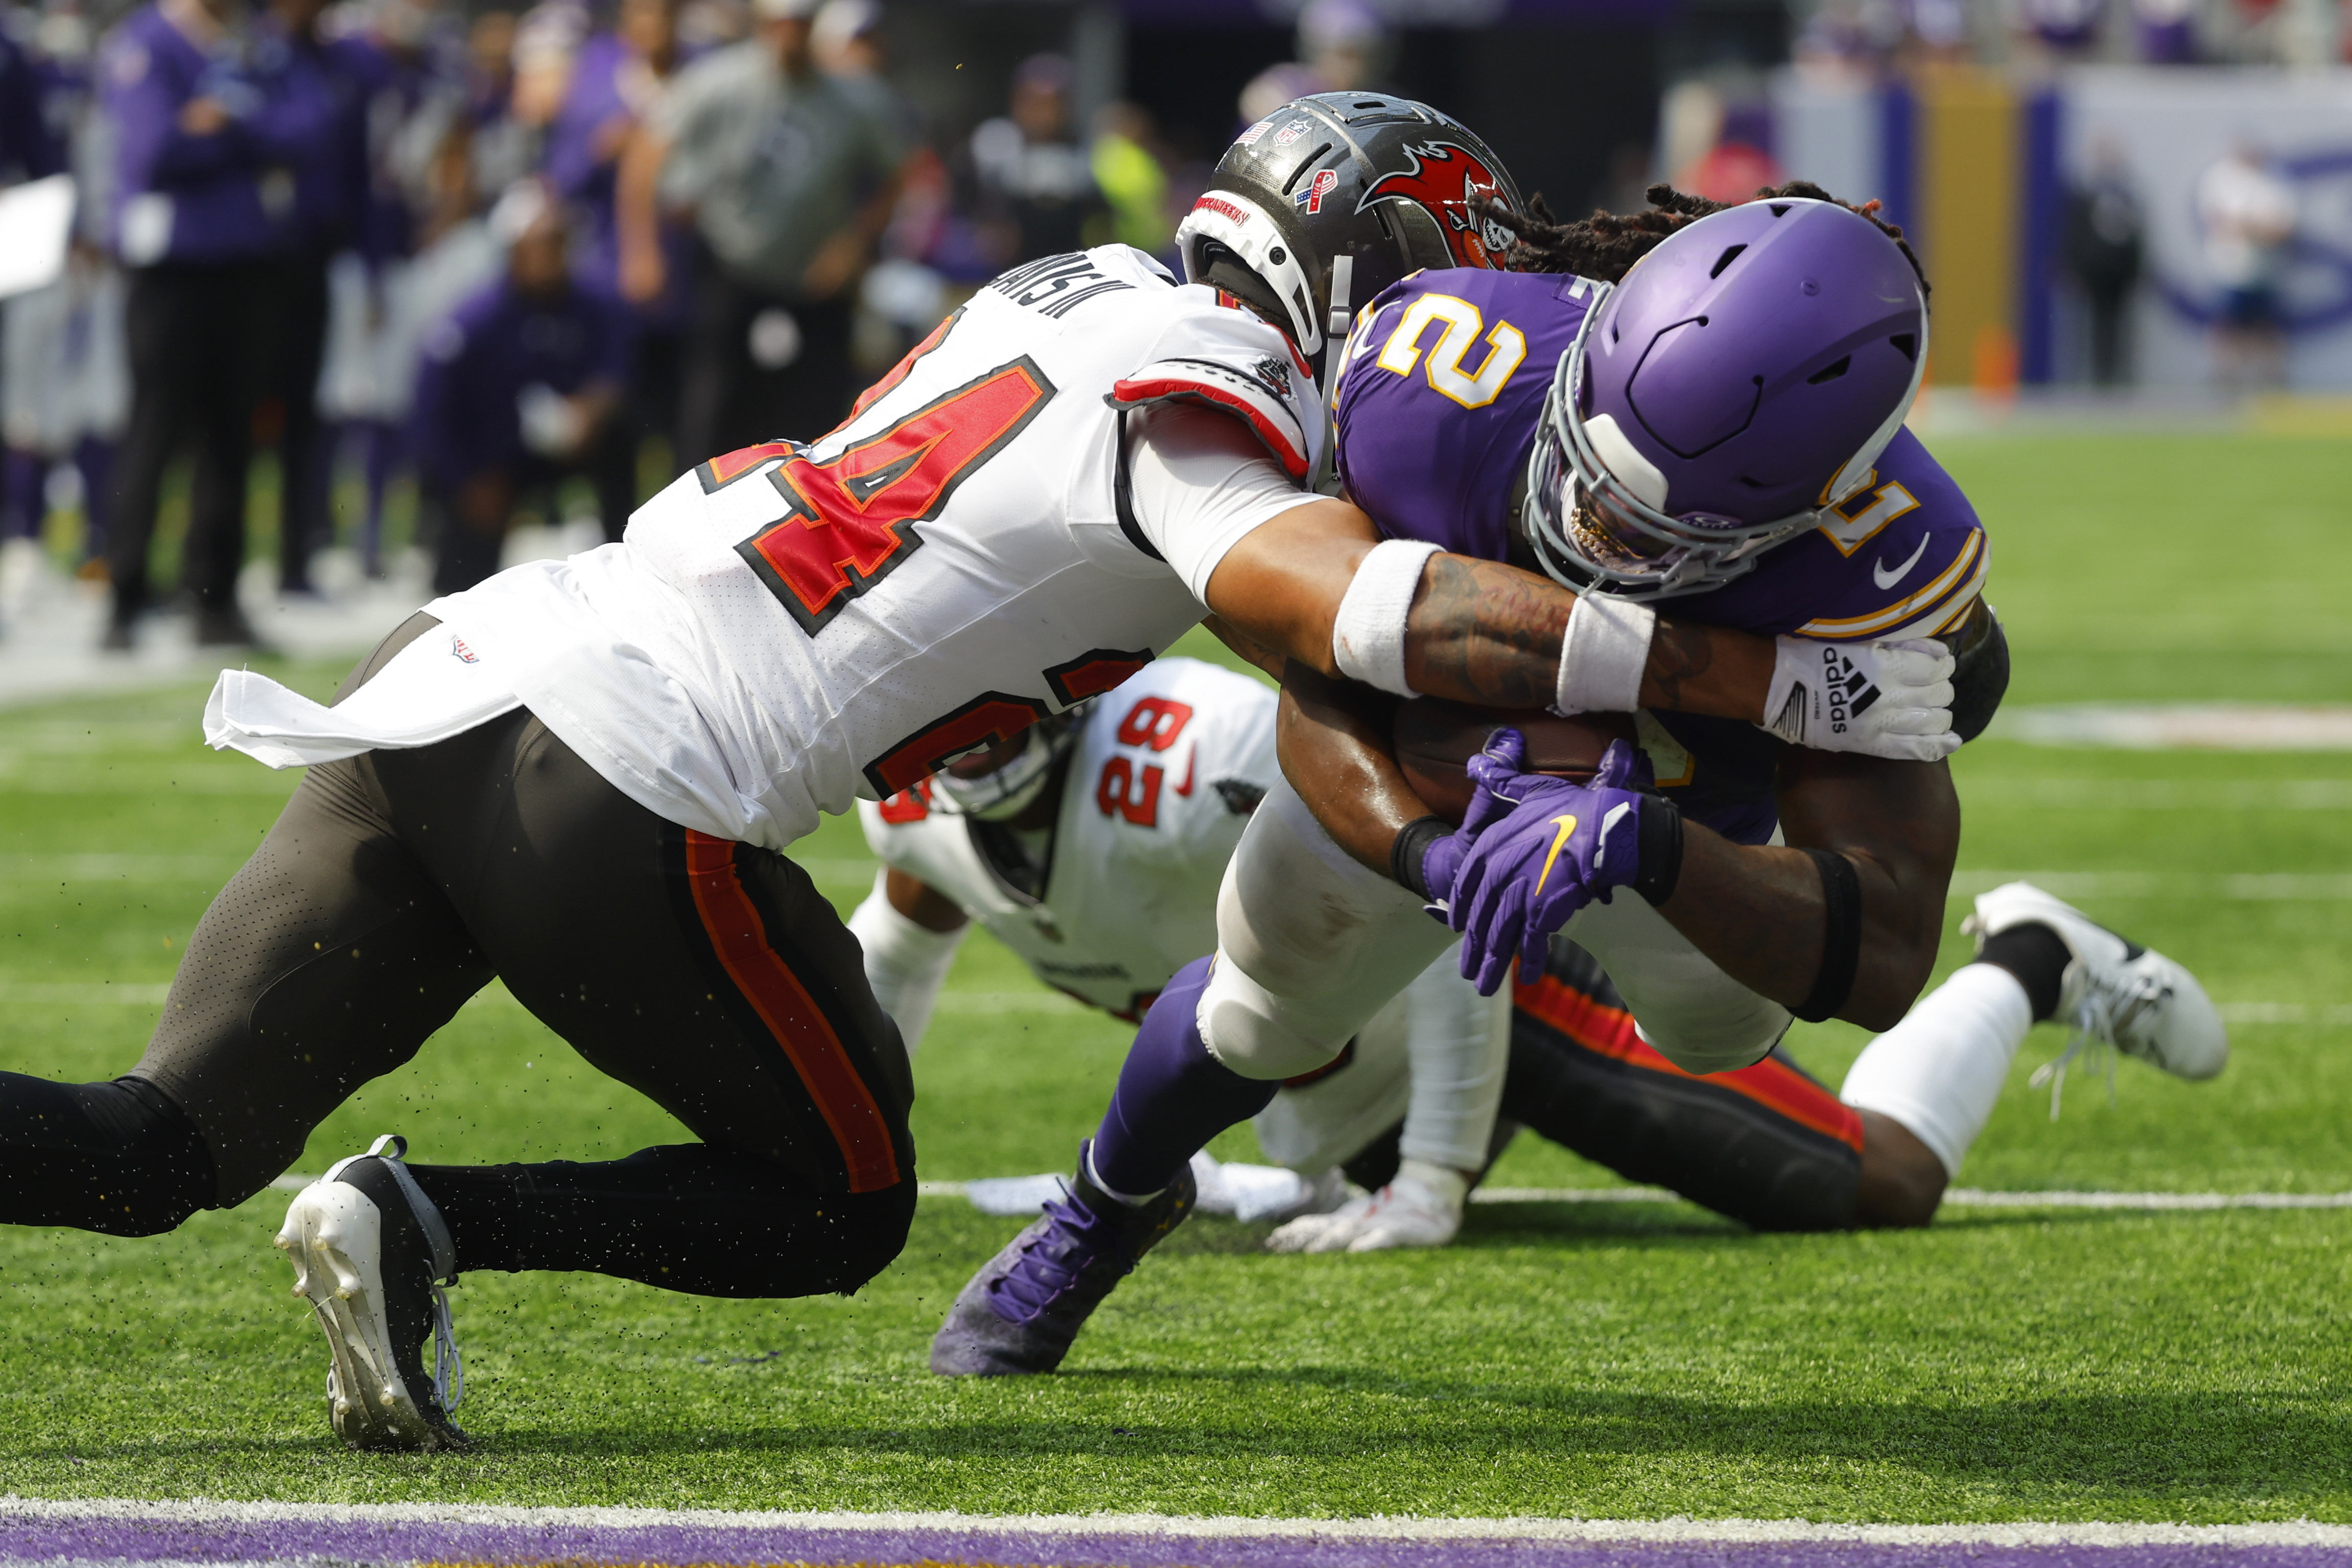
[(583, 777), (1698, 405), (1768, 1145), (1093, 845)]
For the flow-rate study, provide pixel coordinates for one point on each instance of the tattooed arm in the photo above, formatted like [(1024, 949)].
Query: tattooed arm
[(1479, 631)]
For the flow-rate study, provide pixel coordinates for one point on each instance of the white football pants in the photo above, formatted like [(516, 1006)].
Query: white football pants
[(1311, 945)]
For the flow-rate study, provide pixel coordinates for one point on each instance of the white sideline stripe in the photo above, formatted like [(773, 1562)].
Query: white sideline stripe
[(2243, 887), (2171, 727), (2289, 1532), (98, 867), (1963, 1196), (148, 994), (2048, 794), (151, 994)]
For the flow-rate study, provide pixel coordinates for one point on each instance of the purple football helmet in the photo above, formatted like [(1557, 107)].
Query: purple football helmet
[(1744, 376)]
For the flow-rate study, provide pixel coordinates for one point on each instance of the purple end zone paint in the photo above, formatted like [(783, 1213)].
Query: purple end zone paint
[(49, 1537)]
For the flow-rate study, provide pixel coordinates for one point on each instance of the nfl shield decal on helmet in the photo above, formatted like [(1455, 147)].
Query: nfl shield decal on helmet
[(1444, 177)]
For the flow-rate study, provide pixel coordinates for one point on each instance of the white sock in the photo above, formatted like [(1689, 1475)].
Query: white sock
[(1939, 1070), (905, 964), (1459, 1043)]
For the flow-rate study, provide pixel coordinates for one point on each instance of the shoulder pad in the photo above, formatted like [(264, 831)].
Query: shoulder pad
[(1240, 367)]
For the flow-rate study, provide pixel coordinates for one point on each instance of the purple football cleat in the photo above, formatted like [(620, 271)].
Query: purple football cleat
[(1020, 1312)]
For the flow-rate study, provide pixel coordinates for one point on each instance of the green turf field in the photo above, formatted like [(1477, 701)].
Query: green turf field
[(1596, 1359)]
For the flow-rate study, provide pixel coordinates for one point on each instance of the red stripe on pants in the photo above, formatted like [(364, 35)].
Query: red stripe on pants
[(1609, 1031), (792, 1015)]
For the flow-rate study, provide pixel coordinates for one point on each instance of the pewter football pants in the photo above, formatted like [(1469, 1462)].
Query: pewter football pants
[(709, 975), (1310, 944)]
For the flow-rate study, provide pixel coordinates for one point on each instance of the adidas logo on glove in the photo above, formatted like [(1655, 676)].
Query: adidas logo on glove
[(1849, 690), (1885, 699)]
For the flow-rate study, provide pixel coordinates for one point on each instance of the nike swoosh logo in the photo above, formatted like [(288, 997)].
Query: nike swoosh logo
[(1567, 826), (1885, 579)]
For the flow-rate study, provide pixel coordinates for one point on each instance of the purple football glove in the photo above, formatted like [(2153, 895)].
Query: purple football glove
[(1443, 861), (1539, 849)]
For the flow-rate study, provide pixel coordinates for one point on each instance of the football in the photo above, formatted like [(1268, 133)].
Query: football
[(1436, 740)]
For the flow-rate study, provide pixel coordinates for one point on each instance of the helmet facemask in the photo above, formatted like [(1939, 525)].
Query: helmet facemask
[(1595, 513), (1230, 242), (1003, 792)]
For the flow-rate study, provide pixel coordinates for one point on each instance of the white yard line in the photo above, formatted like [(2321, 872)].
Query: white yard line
[(2293, 1532), (2250, 887), (1962, 1197), (2156, 794), (148, 994)]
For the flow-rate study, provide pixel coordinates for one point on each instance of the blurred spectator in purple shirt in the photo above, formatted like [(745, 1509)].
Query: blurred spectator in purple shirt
[(29, 149), (517, 390), (337, 79), (203, 213), (618, 78)]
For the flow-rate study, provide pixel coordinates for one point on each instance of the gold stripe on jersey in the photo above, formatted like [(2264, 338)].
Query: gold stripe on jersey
[(1972, 558), (1937, 621), (1963, 604)]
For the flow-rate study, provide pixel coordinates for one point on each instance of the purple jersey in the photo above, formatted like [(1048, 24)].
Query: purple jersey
[(1435, 415)]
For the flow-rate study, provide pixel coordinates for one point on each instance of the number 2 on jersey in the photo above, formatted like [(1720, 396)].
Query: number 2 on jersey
[(1507, 348), (850, 525)]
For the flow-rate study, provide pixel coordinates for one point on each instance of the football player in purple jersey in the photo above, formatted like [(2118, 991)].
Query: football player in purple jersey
[(1720, 427)]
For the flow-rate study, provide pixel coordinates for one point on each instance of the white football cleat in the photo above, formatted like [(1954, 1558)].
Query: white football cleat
[(370, 1254), (2115, 993), (1405, 1213)]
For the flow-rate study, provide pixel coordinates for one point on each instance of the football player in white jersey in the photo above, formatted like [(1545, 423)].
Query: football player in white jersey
[(1093, 846), (579, 777)]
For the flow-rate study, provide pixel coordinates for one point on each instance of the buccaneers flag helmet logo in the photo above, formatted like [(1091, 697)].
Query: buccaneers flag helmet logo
[(1443, 177)]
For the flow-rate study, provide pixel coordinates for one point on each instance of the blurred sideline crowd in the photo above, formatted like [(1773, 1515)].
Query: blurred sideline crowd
[(516, 255), (538, 261)]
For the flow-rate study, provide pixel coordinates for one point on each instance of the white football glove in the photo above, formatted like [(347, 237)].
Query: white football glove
[(1883, 699), (1405, 1213)]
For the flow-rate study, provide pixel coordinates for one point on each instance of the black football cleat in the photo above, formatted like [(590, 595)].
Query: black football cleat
[(371, 1254), (1020, 1312)]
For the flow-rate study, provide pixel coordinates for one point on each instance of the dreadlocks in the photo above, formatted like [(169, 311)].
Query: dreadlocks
[(1606, 246)]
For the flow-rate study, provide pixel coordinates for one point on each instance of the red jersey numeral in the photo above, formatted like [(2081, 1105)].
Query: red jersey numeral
[(850, 525), (899, 371), (988, 718), (1094, 672), (727, 467), (1155, 722), (910, 805), (1135, 796)]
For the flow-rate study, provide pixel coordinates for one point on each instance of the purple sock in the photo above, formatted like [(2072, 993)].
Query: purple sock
[(1172, 1095)]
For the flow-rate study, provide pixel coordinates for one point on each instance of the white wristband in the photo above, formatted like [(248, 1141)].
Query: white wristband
[(1603, 656), (1367, 634)]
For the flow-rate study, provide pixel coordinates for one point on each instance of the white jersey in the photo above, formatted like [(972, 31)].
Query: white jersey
[(785, 629), (1160, 781)]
